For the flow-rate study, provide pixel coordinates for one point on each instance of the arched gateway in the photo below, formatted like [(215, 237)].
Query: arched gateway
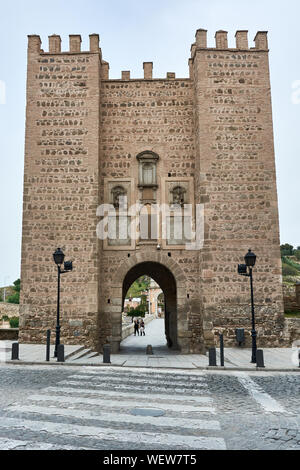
[(198, 151), (172, 281)]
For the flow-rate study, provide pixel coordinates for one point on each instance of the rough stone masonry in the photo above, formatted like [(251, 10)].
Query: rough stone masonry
[(204, 139)]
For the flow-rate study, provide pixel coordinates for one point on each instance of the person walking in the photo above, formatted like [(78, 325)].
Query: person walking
[(142, 328), (136, 327)]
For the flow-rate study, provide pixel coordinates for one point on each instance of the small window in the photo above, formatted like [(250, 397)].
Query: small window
[(147, 169)]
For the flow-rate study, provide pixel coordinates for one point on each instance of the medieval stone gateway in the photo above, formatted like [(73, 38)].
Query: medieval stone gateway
[(203, 142)]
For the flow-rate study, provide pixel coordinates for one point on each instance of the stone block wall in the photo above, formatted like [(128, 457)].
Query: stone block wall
[(236, 182), (213, 128), (292, 330), (11, 310), (61, 185)]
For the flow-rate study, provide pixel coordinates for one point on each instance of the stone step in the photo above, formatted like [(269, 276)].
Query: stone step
[(82, 353), (92, 354), (74, 352)]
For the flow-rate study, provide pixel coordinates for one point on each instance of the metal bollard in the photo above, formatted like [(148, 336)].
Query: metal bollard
[(106, 354), (48, 345), (260, 358), (15, 352), (60, 353), (149, 349), (222, 350), (212, 357)]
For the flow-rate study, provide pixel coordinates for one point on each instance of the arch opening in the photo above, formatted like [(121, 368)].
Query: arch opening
[(167, 319)]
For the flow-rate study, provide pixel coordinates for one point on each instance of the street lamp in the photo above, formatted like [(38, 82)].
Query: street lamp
[(246, 270), (59, 257)]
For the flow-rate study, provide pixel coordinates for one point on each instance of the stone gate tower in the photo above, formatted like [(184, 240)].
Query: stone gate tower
[(203, 141)]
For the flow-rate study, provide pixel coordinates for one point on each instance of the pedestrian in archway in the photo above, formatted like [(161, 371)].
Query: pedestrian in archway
[(136, 327), (142, 328)]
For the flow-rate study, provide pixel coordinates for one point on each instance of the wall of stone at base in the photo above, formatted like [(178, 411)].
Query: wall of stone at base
[(291, 330), (11, 310), (9, 334)]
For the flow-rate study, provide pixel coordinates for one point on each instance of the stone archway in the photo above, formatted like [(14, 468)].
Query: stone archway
[(168, 274), (166, 281)]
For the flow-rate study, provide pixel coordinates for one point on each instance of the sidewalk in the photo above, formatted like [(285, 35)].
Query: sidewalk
[(133, 354)]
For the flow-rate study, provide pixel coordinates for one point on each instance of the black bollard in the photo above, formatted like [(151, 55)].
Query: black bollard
[(60, 353), (15, 352), (149, 349), (106, 354), (260, 358), (222, 350), (48, 345), (212, 357)]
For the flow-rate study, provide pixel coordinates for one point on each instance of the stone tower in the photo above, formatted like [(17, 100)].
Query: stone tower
[(205, 141)]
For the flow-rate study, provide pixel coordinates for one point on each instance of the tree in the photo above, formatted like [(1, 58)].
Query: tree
[(287, 250), (15, 298), (139, 286)]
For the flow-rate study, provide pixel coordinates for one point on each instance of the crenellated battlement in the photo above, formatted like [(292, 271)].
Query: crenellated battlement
[(54, 44), (221, 44), (221, 41)]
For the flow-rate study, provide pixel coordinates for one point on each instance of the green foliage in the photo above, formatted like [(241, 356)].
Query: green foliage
[(14, 322), (297, 254), (288, 270), (291, 263), (5, 318), (139, 286), (136, 312), (15, 298), (289, 257), (291, 314), (17, 285), (287, 250)]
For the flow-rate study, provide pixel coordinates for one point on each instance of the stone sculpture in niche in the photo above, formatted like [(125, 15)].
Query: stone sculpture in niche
[(178, 196), (118, 192)]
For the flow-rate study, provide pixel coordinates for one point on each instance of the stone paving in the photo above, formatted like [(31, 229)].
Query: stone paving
[(133, 354), (121, 408)]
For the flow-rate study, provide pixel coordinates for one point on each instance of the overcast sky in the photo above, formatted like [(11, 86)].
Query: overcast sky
[(132, 32)]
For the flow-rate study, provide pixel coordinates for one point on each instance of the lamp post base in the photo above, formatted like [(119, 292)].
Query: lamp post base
[(57, 340)]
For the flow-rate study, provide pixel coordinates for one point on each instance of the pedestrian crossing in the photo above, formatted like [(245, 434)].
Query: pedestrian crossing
[(109, 408)]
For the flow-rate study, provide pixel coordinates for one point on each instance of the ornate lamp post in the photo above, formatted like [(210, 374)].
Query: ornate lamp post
[(59, 257), (246, 270)]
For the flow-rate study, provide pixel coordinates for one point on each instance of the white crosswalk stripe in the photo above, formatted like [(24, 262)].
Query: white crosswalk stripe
[(109, 434), (91, 409), (188, 377), (130, 395), (16, 444), (160, 384), (139, 387), (106, 402), (163, 421)]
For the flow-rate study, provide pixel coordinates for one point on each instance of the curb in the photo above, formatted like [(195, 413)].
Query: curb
[(211, 368)]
